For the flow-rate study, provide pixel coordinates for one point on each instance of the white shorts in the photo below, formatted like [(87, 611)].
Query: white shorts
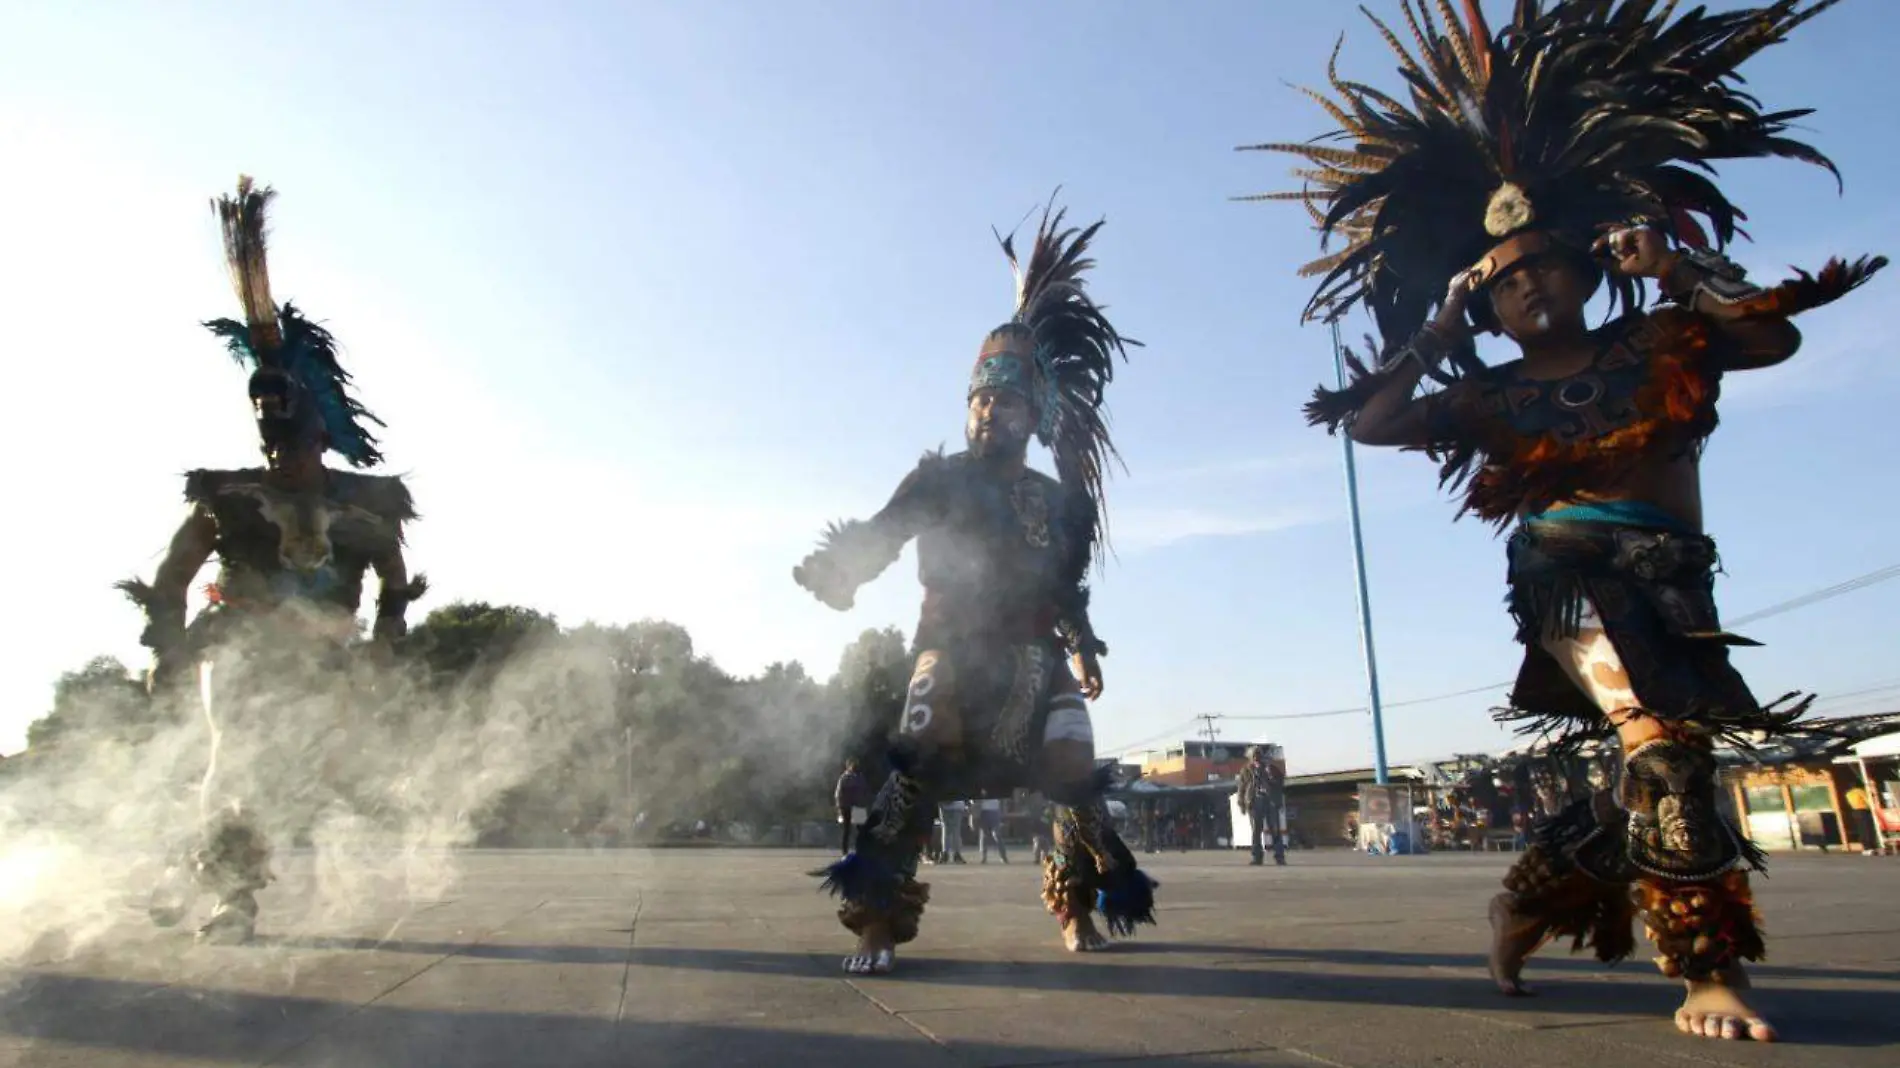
[(1068, 721)]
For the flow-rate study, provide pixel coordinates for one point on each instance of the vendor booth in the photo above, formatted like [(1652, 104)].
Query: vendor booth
[(1878, 759), (1387, 823)]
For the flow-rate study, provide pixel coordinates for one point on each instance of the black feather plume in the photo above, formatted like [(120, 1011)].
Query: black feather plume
[(1076, 346), (1598, 111)]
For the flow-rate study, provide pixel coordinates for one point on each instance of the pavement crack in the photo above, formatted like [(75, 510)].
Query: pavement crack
[(929, 1035), (1311, 1056), (1137, 1058), (626, 969), (352, 1011)]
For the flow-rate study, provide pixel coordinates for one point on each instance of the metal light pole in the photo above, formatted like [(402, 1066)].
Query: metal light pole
[(1359, 573), (627, 756)]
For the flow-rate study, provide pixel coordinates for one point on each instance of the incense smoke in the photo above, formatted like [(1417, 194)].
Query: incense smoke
[(369, 777)]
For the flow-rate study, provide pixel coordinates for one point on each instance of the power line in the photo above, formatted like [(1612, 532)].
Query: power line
[(1310, 715), (1171, 733), (1826, 593), (1789, 605), (1844, 695), (1864, 581)]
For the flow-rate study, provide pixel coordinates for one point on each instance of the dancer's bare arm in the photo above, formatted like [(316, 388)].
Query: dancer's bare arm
[(1082, 522), (1753, 340), (856, 551), (1395, 416), (393, 595), (164, 598), (191, 545)]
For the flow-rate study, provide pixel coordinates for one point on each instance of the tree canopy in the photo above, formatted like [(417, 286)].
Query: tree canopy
[(601, 723)]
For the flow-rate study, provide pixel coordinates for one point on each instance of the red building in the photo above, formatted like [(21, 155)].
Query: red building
[(1196, 763)]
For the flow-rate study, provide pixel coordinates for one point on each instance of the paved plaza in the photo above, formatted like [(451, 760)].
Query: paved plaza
[(725, 957)]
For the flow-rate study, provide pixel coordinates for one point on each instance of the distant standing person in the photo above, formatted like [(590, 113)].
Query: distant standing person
[(1863, 820), (951, 813), (852, 797), (1260, 792), (989, 830)]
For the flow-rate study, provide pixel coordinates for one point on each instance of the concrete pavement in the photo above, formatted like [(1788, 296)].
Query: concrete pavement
[(727, 957)]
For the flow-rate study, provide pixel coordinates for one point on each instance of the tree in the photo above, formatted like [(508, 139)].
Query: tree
[(456, 640), (100, 701), (872, 683), (576, 730), (793, 734)]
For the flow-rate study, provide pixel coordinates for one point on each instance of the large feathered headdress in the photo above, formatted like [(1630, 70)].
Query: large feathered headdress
[(293, 361), (1577, 115), (1058, 350)]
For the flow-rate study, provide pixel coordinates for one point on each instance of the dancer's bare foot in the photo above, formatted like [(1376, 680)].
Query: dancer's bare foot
[(1080, 935), (1513, 939), (228, 929), (876, 953), (1716, 1010)]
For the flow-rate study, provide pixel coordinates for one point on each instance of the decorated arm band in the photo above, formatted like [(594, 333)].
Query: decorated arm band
[(1081, 638), (1707, 281), (1428, 348), (1074, 628)]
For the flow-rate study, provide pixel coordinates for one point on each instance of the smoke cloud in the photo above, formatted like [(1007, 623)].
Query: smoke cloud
[(371, 775)]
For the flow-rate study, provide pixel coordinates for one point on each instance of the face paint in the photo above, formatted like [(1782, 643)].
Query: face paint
[(999, 422)]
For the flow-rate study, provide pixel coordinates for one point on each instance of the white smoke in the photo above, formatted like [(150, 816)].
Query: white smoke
[(367, 779)]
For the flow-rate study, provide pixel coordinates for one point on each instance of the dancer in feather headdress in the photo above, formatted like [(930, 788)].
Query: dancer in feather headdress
[(293, 538), (1566, 152), (1571, 151), (1004, 554)]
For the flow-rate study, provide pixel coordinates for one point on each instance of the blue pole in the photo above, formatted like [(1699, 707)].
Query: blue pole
[(1359, 574)]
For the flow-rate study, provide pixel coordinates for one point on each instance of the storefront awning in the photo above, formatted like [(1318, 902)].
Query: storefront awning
[(1880, 745)]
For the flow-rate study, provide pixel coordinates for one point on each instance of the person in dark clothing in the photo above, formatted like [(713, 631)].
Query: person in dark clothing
[(1007, 658), (295, 540), (1261, 788), (852, 797), (989, 830)]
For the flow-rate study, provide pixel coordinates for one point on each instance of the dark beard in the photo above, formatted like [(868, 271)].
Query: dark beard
[(995, 450)]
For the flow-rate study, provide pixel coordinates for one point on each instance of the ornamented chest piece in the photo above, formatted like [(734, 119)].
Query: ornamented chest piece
[(1032, 511), (1580, 392)]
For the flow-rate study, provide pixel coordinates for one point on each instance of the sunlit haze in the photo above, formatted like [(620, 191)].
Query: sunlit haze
[(647, 293)]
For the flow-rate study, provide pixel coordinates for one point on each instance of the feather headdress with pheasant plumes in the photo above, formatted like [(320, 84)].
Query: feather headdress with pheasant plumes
[(279, 341), (1576, 116), (1059, 350)]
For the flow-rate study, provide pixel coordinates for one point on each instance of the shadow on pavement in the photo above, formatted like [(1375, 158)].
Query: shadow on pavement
[(1852, 1017), (1546, 960), (236, 1028), (775, 962)]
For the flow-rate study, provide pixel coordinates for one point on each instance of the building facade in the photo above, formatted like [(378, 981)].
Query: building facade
[(1196, 763)]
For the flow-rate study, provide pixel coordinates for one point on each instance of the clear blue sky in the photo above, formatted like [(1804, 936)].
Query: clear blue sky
[(647, 293)]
